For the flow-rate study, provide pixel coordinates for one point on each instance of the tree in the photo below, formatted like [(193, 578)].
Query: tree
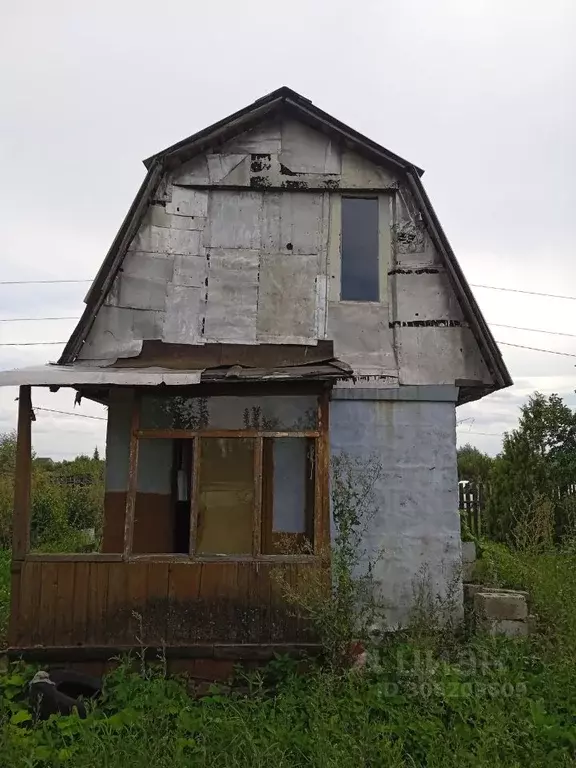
[(96, 455), (473, 464), (536, 467)]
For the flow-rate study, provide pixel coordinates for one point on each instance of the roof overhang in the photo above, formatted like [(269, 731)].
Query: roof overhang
[(83, 375)]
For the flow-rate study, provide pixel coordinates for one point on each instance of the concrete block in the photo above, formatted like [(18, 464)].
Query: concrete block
[(501, 606), (509, 628), (471, 589)]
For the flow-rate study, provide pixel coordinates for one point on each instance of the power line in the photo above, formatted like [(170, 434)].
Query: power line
[(70, 413), (536, 349), (533, 330), (24, 319), (40, 282), (29, 343), (518, 290), (491, 434)]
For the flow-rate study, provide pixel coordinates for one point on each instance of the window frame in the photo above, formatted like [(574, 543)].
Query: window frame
[(320, 524), (385, 246)]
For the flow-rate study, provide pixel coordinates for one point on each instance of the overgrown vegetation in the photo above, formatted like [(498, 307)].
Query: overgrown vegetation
[(339, 598), (536, 469), (434, 695), (424, 699), (67, 500)]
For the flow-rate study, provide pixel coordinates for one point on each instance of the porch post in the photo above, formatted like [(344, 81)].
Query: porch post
[(21, 517)]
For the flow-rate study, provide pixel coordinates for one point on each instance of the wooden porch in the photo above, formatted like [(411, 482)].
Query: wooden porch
[(68, 607)]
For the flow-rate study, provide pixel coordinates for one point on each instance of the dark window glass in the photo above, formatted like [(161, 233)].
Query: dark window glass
[(359, 273)]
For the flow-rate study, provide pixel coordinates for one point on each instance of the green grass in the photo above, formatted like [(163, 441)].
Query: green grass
[(473, 701)]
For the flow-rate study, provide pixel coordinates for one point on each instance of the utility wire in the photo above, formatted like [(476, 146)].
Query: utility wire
[(29, 343), (24, 319), (533, 330), (536, 349), (491, 434), (473, 285), (69, 413), (40, 282), (518, 290)]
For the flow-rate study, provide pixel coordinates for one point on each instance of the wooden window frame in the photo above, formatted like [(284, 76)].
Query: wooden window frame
[(321, 509)]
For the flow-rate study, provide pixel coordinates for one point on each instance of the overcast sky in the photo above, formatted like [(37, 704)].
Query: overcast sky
[(480, 93)]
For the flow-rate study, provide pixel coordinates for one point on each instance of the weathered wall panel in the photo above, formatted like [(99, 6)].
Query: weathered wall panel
[(242, 245), (440, 355), (232, 296), (362, 337), (416, 525), (287, 299)]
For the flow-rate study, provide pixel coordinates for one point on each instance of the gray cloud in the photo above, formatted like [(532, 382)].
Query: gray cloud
[(478, 93)]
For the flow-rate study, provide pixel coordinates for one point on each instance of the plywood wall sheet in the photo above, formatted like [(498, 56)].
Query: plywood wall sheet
[(141, 292), (425, 296), (359, 172), (184, 314), (439, 355), (294, 223), (118, 332), (362, 337), (163, 240), (287, 303), (234, 220), (221, 165), (264, 139), (146, 324), (152, 266), (188, 202), (302, 222), (190, 271), (305, 150), (194, 171), (158, 217), (232, 296)]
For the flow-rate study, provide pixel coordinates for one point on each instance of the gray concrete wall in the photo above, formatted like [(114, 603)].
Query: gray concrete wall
[(417, 523)]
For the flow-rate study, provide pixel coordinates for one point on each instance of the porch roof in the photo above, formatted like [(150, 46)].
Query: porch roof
[(52, 375)]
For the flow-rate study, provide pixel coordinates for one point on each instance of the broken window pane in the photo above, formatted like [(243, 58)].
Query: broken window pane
[(360, 268), (288, 496), (225, 496), (287, 413)]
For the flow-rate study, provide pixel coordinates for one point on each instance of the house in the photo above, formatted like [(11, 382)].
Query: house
[(280, 291)]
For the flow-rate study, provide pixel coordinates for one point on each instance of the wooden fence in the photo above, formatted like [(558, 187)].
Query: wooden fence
[(471, 503)]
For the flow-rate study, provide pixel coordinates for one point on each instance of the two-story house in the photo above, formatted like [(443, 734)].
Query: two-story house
[(280, 291)]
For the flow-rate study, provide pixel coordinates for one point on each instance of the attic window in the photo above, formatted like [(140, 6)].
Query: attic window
[(360, 268)]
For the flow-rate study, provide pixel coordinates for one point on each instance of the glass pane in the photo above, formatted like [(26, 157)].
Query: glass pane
[(359, 273), (225, 496), (154, 512), (292, 413), (289, 483)]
